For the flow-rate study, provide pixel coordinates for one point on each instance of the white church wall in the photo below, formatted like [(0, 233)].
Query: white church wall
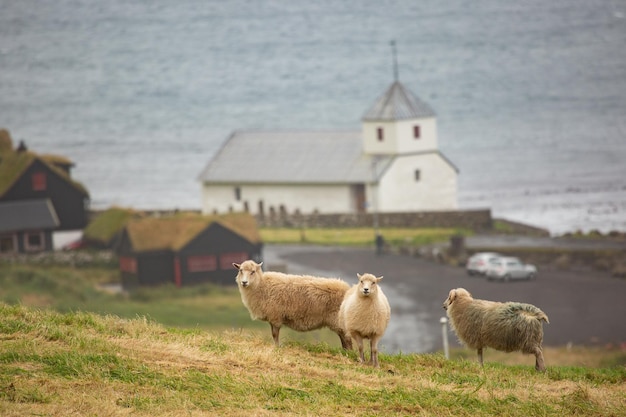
[(435, 189)]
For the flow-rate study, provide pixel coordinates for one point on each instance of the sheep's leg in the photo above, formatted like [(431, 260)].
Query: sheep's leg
[(374, 352), (480, 356), (275, 332), (346, 340), (359, 343), (539, 364)]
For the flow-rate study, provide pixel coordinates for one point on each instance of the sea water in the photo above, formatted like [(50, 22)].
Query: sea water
[(530, 96)]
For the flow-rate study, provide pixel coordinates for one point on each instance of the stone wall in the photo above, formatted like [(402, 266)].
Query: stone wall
[(478, 220)]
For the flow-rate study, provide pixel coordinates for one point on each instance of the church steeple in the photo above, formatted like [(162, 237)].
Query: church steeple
[(399, 122)]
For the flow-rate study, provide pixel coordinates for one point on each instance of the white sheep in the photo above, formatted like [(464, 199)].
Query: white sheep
[(365, 314), (507, 327), (300, 302)]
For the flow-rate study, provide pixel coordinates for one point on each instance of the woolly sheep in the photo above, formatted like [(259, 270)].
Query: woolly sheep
[(300, 302), (506, 327), (365, 314)]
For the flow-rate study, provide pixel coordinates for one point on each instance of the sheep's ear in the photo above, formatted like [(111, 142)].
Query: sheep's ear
[(358, 275), (236, 265), (259, 264), (379, 278), (452, 295)]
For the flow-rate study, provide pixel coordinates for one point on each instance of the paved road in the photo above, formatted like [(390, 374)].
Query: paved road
[(584, 307)]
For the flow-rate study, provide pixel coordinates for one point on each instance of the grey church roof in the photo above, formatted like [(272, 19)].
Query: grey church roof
[(398, 103), (27, 215), (293, 156)]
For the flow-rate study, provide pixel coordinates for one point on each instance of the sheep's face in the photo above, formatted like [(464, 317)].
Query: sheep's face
[(368, 284), (249, 273), (453, 295)]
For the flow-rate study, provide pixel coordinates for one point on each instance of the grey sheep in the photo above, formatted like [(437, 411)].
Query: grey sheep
[(507, 327)]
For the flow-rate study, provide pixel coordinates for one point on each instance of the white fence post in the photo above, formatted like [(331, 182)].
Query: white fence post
[(444, 334)]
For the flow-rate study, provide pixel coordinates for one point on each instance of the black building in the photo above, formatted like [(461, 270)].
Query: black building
[(186, 250), (26, 226), (26, 176)]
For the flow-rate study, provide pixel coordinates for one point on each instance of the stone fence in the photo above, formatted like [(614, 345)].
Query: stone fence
[(478, 220)]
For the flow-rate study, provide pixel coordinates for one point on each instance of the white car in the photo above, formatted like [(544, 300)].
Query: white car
[(507, 268), (477, 264)]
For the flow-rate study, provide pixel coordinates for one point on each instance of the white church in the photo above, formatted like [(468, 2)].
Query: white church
[(393, 164)]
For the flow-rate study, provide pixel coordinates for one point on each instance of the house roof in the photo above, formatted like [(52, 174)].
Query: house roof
[(398, 103), (174, 233), (13, 164), (108, 223), (27, 215), (292, 156)]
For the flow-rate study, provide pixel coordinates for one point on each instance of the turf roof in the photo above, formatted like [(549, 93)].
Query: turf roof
[(13, 164), (108, 223), (175, 232)]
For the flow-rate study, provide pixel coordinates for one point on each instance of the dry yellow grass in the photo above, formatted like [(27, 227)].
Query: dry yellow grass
[(81, 364)]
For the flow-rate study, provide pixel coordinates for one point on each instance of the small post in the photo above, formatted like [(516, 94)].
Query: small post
[(444, 334)]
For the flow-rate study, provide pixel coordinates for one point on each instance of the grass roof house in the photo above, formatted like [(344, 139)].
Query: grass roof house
[(186, 249), (104, 231), (25, 176)]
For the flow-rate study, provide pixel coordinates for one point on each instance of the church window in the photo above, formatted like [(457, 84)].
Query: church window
[(237, 193), (416, 132), (417, 175), (380, 134)]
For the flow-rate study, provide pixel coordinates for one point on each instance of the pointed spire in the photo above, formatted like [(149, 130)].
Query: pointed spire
[(395, 60), (398, 103)]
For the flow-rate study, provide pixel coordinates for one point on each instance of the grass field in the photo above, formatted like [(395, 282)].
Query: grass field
[(80, 363), (359, 236)]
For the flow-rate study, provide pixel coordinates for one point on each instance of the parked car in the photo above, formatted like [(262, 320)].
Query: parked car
[(507, 268), (478, 262)]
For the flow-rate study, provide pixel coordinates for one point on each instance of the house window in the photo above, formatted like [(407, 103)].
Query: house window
[(202, 263), (34, 241), (237, 193), (380, 134), (416, 132), (417, 175), (39, 181), (128, 264), (227, 259), (7, 244)]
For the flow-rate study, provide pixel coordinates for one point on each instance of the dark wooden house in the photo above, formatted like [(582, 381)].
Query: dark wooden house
[(186, 249), (26, 176), (26, 226)]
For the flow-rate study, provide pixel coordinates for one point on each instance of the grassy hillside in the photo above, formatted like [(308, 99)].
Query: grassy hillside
[(58, 364)]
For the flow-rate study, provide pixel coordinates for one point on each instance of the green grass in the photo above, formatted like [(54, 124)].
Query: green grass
[(359, 236), (68, 289), (77, 363)]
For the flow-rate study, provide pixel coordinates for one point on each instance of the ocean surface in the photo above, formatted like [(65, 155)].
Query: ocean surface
[(530, 95)]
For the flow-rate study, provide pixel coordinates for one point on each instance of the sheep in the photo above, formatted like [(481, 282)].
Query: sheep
[(300, 302), (365, 314), (507, 327)]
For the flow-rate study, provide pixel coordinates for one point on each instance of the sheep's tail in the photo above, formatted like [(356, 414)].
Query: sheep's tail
[(527, 310)]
